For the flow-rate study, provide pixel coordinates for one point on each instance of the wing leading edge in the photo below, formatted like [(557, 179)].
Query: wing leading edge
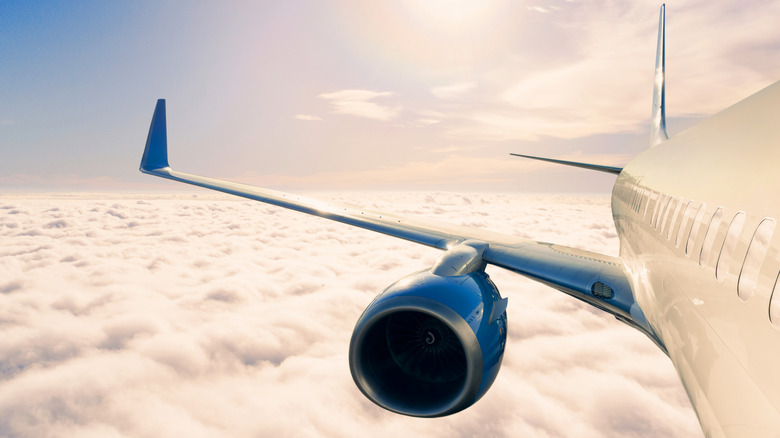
[(594, 278)]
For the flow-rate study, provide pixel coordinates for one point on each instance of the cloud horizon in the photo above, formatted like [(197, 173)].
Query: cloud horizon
[(202, 315)]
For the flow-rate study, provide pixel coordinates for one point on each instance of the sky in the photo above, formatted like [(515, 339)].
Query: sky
[(349, 95), (198, 315), (202, 315)]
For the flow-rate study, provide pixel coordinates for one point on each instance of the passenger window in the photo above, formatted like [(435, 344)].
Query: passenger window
[(650, 197), (637, 198), (658, 204), (659, 209), (664, 205), (686, 219), (673, 221), (754, 258), (774, 305), (732, 238), (695, 229), (709, 238), (672, 204)]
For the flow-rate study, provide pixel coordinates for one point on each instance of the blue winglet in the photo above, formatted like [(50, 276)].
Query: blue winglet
[(156, 151)]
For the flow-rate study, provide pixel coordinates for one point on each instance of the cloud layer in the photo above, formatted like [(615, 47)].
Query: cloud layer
[(207, 316), (360, 103)]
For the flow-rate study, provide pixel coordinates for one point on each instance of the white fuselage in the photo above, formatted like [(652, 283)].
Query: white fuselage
[(696, 217)]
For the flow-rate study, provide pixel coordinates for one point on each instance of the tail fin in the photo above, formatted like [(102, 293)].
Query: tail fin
[(156, 151), (658, 122)]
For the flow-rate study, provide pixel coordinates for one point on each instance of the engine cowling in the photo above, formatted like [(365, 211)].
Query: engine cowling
[(430, 345)]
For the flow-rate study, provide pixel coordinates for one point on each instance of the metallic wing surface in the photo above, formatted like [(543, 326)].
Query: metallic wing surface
[(594, 278)]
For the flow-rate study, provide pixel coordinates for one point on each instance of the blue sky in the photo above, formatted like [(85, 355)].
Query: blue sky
[(306, 95)]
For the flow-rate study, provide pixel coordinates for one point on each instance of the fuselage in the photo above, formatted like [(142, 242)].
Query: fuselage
[(697, 217)]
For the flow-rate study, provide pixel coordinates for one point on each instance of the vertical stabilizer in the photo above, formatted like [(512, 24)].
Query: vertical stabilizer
[(658, 128)]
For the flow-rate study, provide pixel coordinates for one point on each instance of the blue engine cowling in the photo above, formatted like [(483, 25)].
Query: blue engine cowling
[(430, 345)]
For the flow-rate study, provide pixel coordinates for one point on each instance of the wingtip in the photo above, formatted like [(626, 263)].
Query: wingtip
[(156, 150)]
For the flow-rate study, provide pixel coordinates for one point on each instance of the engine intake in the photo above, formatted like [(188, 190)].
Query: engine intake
[(430, 345)]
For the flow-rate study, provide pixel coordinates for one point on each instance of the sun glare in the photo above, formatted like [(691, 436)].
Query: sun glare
[(451, 12)]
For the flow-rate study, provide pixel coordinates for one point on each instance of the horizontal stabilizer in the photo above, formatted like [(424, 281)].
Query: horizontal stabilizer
[(599, 167)]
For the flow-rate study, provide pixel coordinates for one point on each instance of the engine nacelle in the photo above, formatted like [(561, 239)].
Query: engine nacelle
[(430, 345)]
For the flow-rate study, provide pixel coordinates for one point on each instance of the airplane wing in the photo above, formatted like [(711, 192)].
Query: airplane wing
[(597, 279)]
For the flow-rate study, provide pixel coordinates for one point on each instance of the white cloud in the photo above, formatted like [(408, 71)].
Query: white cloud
[(307, 117), (420, 123), (211, 316), (453, 91), (603, 81), (359, 103), (554, 104), (539, 9)]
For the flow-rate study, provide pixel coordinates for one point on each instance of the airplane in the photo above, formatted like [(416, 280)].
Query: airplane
[(697, 272)]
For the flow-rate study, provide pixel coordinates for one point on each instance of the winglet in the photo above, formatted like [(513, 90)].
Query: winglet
[(156, 151), (658, 122)]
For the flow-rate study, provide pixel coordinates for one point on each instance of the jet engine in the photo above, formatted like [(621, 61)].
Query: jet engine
[(431, 344)]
